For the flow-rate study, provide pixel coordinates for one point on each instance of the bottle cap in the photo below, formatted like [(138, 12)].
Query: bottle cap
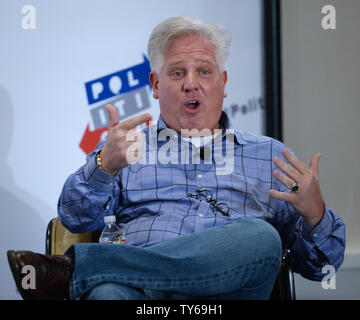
[(109, 219)]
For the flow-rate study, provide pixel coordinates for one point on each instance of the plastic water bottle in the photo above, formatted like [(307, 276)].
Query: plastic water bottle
[(112, 232)]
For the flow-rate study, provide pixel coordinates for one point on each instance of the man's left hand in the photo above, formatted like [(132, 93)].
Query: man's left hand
[(307, 200)]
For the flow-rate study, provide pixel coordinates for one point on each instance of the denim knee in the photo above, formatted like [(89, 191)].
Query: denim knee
[(269, 238), (260, 236), (113, 291), (264, 242)]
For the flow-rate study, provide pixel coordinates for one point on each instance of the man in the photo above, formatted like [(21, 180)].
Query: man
[(192, 231)]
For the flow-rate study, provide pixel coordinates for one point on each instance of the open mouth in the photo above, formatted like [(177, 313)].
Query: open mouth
[(192, 105)]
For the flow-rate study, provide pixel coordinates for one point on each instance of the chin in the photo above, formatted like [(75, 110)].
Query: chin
[(193, 125)]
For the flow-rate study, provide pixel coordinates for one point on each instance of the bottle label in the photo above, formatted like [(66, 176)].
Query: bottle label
[(118, 239)]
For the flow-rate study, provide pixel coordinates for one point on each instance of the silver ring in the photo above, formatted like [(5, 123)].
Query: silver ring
[(294, 187)]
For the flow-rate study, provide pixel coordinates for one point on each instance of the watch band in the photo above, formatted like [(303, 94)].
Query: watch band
[(99, 164)]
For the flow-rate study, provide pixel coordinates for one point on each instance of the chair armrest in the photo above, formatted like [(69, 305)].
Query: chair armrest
[(59, 239)]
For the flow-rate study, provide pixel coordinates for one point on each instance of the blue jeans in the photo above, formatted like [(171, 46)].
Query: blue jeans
[(239, 260)]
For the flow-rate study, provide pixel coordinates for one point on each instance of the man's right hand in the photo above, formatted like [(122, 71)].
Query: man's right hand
[(114, 155)]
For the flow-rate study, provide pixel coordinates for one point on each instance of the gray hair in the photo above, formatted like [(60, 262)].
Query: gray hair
[(176, 26)]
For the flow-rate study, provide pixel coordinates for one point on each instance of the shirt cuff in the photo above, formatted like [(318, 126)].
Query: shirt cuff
[(97, 178), (320, 231)]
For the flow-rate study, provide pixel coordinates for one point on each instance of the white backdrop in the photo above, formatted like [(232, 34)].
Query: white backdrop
[(48, 54)]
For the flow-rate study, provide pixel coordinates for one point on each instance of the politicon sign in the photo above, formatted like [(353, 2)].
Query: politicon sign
[(128, 90)]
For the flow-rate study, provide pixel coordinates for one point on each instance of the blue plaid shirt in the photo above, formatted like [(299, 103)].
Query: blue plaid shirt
[(158, 202)]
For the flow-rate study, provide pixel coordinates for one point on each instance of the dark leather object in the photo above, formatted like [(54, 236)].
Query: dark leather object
[(52, 274)]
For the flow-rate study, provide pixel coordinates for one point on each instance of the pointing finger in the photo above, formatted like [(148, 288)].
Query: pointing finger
[(113, 115), (135, 121)]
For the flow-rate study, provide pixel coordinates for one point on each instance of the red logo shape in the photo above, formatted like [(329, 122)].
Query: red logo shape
[(90, 139)]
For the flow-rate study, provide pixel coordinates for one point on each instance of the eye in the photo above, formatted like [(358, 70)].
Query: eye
[(177, 74), (204, 72)]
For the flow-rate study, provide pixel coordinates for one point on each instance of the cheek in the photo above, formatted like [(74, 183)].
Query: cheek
[(168, 96), (216, 95), (167, 106)]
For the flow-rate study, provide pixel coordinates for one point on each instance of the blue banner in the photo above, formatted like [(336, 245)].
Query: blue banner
[(118, 82)]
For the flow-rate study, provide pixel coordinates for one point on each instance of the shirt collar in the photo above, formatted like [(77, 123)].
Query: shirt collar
[(224, 122)]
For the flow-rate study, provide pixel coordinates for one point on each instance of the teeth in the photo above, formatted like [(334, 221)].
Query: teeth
[(193, 103)]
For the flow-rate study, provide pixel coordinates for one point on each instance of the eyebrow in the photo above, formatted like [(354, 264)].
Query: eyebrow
[(179, 62)]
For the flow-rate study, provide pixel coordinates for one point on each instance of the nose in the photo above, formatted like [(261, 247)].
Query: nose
[(190, 83)]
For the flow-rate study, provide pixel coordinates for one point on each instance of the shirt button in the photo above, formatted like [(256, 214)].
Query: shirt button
[(199, 175), (200, 215), (315, 235), (110, 184)]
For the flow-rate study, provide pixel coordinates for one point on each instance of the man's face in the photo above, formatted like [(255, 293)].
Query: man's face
[(190, 86)]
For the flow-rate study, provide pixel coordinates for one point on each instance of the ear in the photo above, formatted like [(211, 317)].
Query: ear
[(154, 81), (224, 79)]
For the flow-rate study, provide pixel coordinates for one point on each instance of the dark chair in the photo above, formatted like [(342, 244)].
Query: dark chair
[(284, 287), (58, 239)]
